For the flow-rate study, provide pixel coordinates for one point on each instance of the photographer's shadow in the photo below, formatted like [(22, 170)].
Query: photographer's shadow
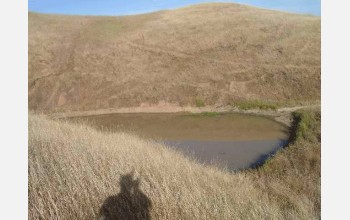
[(130, 204)]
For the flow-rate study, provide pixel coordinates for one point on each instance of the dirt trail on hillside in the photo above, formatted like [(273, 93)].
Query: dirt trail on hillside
[(156, 49)]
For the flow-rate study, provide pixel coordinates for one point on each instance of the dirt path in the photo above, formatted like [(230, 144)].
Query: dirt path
[(156, 49), (292, 109)]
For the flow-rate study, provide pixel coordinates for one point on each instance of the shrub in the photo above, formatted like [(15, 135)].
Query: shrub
[(255, 104), (200, 103), (306, 125)]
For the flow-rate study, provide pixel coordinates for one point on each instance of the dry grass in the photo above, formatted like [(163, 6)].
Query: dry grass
[(209, 54), (216, 53), (73, 169), (292, 177)]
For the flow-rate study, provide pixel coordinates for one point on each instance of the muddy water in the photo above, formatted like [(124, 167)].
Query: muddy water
[(233, 141)]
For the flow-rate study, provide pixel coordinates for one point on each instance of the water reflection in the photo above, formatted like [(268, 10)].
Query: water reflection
[(233, 155)]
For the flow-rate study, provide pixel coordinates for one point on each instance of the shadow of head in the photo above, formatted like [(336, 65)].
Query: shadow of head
[(131, 203)]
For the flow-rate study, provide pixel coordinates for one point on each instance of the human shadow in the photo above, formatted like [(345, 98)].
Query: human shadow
[(130, 204)]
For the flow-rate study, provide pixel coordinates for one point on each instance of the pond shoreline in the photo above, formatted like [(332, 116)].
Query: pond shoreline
[(282, 115), (233, 141)]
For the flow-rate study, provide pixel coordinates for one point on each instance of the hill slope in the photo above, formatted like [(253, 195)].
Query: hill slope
[(214, 53)]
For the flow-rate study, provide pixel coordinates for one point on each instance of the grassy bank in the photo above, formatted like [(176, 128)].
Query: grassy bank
[(255, 104), (271, 105), (205, 114), (292, 176), (76, 172)]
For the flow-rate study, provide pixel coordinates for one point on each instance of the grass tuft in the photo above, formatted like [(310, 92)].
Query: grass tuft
[(255, 104), (306, 124), (199, 103)]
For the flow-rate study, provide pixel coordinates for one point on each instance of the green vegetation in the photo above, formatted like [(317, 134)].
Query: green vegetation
[(255, 104), (306, 123), (209, 114), (205, 114), (199, 103)]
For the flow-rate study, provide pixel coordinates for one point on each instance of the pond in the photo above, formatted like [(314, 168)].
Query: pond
[(229, 140)]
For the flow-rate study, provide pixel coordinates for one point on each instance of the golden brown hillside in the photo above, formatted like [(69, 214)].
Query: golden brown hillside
[(212, 54)]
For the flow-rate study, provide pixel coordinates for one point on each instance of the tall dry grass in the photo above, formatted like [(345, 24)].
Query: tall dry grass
[(292, 177), (75, 172)]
